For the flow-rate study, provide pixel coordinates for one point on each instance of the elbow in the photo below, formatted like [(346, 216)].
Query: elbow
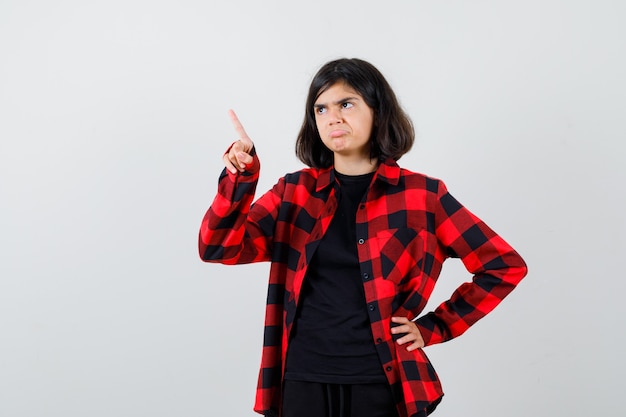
[(209, 253), (218, 254), (518, 271)]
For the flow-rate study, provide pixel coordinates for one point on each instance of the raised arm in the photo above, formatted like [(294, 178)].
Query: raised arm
[(230, 232)]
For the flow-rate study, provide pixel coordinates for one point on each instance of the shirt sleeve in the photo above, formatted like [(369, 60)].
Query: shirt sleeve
[(496, 268), (235, 230)]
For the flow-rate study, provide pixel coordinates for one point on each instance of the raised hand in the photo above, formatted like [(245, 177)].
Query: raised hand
[(238, 156)]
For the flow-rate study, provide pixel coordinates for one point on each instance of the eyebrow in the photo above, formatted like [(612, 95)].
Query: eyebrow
[(343, 100)]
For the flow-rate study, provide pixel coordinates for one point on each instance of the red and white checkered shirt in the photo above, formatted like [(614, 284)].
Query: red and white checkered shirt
[(406, 227)]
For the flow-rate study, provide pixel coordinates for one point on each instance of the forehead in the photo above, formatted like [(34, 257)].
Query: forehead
[(337, 91)]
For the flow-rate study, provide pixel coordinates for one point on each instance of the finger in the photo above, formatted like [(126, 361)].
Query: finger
[(414, 340), (237, 157), (241, 132), (407, 338), (229, 164), (414, 346), (235, 148), (400, 320), (400, 329), (243, 159), (398, 325)]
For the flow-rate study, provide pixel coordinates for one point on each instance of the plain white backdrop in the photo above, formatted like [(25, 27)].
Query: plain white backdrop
[(113, 120)]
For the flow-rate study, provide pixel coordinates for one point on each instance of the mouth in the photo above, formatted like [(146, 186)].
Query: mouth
[(337, 133)]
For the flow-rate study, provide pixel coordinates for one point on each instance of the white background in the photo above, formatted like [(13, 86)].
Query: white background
[(113, 119)]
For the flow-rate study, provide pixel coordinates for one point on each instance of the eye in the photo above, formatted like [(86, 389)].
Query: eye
[(347, 105), (320, 110)]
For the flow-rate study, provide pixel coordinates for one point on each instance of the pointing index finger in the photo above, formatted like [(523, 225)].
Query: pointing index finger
[(243, 136)]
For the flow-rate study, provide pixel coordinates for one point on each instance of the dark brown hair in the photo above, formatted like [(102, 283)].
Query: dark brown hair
[(392, 133)]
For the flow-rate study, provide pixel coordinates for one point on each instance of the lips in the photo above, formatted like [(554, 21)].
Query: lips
[(337, 133)]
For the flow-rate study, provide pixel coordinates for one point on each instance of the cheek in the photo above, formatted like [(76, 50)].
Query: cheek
[(318, 125), (367, 124)]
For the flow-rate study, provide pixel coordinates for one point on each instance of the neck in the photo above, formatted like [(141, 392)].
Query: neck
[(356, 166)]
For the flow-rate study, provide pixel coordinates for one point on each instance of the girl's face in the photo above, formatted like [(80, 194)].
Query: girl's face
[(344, 121)]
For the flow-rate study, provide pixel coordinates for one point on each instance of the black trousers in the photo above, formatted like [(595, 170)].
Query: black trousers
[(313, 399)]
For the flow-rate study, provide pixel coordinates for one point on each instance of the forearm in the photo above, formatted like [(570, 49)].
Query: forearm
[(471, 302), (222, 235)]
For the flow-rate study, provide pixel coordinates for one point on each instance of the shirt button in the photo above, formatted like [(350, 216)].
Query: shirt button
[(361, 241), (379, 340), (362, 206), (389, 368), (372, 307), (366, 276)]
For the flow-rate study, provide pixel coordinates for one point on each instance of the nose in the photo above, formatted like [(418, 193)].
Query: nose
[(335, 116)]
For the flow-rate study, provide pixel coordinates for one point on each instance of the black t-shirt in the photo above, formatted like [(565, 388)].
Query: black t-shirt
[(331, 340)]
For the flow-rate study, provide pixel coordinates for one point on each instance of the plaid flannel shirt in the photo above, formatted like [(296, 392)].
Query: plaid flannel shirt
[(406, 226)]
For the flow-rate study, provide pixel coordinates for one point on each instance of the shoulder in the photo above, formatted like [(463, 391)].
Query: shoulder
[(423, 181), (403, 179), (301, 175), (305, 180)]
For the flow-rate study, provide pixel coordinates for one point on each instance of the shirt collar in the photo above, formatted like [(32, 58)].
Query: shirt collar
[(388, 171)]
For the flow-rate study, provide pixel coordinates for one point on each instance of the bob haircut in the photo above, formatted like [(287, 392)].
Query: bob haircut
[(392, 133)]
